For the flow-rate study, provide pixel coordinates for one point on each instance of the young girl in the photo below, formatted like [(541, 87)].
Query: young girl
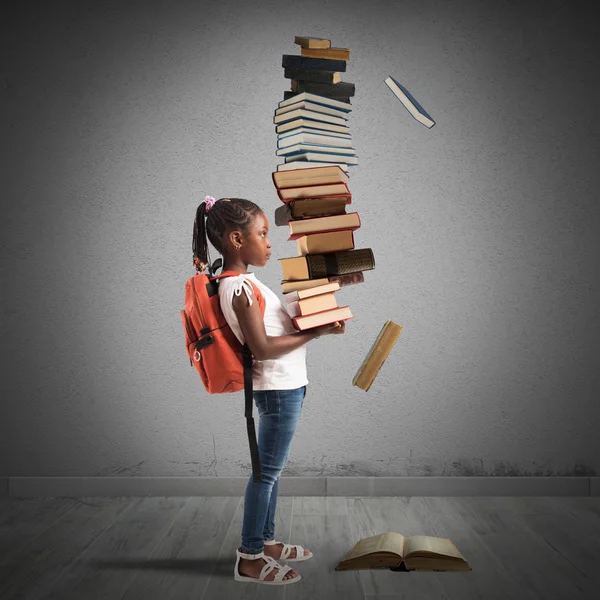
[(239, 230)]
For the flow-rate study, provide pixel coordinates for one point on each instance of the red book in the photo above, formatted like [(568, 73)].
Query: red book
[(341, 313)]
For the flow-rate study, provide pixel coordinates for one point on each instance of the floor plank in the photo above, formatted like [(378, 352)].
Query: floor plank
[(27, 573), (22, 519), (183, 562), (107, 566)]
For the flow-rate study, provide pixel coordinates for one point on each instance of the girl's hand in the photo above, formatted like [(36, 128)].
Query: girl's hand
[(337, 327)]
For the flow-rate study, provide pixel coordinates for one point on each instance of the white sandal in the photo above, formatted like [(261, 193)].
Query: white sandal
[(287, 550), (271, 564)]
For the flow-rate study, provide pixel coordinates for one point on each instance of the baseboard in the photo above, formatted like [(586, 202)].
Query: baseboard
[(300, 486)]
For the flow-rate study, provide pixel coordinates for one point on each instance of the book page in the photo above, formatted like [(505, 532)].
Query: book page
[(424, 543), (384, 542)]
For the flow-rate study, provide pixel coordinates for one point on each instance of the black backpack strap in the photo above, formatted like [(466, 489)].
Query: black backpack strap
[(248, 393)]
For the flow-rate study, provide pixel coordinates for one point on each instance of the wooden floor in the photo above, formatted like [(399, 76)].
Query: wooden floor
[(172, 548)]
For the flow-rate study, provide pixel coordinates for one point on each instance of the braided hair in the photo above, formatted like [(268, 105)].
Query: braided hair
[(225, 215)]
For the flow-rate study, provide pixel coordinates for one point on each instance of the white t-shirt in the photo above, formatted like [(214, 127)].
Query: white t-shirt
[(287, 372)]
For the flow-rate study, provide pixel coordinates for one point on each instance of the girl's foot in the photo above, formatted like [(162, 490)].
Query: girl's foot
[(252, 568), (274, 551)]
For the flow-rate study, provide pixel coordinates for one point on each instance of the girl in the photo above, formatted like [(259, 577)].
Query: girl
[(239, 230)]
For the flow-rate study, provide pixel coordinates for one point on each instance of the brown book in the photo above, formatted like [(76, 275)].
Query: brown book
[(301, 227), (296, 295), (377, 354), (332, 241), (306, 284), (341, 313), (308, 208), (315, 266), (330, 53), (314, 191), (309, 176), (308, 306), (310, 42), (404, 553)]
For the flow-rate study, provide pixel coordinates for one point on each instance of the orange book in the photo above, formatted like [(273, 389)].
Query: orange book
[(341, 313), (315, 304), (315, 191), (331, 53), (331, 241), (309, 176), (323, 224), (299, 294)]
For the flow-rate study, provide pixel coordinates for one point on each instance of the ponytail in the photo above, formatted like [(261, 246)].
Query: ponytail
[(199, 241)]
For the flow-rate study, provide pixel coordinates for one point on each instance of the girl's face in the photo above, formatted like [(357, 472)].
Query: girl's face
[(256, 246)]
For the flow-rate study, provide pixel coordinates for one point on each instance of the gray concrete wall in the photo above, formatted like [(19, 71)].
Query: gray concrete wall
[(117, 121)]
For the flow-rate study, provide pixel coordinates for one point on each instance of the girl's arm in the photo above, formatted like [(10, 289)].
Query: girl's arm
[(263, 346)]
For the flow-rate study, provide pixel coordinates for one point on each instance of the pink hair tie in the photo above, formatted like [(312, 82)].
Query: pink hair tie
[(209, 201)]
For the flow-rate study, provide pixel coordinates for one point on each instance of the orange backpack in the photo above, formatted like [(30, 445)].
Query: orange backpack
[(223, 363)]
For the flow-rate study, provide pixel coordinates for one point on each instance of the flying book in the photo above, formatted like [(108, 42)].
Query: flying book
[(314, 106), (331, 53), (314, 156), (303, 164), (377, 355), (323, 224), (308, 114), (342, 313), (411, 105), (317, 99), (305, 284), (293, 61), (310, 42), (309, 176), (315, 291), (314, 191), (322, 243), (404, 553), (313, 124), (318, 266)]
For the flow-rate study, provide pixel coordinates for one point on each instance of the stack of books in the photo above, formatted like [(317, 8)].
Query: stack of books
[(312, 184)]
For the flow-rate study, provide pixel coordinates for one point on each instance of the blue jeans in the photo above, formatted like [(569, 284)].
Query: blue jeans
[(279, 412)]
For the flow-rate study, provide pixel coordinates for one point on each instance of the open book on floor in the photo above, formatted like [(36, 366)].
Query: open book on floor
[(399, 553)]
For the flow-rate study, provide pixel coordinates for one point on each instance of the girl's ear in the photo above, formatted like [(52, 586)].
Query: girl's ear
[(235, 237)]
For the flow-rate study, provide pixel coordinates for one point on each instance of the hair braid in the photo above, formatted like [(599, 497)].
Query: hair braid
[(225, 215)]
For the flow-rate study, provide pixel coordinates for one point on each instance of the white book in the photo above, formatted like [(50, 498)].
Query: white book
[(308, 114), (323, 157), (411, 105), (318, 99), (319, 108), (297, 130), (303, 164), (315, 148), (308, 138), (289, 125)]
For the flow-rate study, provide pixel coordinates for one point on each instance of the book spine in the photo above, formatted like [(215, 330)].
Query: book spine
[(347, 279), (289, 94), (292, 61)]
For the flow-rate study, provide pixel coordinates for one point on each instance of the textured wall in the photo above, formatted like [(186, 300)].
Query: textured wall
[(118, 120)]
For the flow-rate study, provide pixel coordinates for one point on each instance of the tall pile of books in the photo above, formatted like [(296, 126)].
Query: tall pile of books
[(312, 183)]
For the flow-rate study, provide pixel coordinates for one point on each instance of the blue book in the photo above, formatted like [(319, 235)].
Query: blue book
[(409, 102)]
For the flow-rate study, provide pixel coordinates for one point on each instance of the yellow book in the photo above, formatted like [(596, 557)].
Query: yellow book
[(377, 354), (310, 42), (394, 551), (331, 53)]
